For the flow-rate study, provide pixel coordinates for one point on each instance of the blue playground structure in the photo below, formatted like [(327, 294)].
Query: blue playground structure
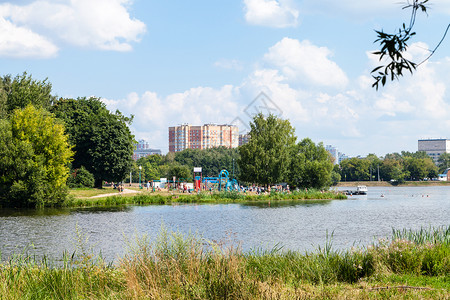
[(226, 183)]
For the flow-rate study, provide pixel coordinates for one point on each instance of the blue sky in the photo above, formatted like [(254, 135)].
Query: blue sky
[(171, 62)]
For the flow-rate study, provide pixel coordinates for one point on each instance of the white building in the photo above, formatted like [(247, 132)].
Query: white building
[(434, 147), (338, 156)]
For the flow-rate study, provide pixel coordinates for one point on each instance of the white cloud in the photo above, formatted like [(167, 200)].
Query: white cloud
[(390, 105), (354, 117), (305, 62), (18, 42), (100, 24), (271, 13), (229, 64), (153, 114)]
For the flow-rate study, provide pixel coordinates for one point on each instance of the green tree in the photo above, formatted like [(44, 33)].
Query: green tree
[(102, 140), (3, 99), (335, 177), (443, 162), (374, 163), (150, 167), (420, 168), (34, 158), (355, 169), (311, 165), (265, 159), (23, 90), (80, 178), (393, 170), (181, 172), (211, 160)]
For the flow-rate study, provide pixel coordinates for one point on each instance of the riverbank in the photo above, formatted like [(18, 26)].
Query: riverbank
[(165, 197), (387, 183), (410, 265)]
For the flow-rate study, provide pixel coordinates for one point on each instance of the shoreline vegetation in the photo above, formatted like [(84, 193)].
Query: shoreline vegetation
[(387, 183), (89, 198), (409, 265)]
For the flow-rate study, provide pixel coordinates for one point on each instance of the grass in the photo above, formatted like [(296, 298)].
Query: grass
[(177, 266), (90, 192), (203, 197)]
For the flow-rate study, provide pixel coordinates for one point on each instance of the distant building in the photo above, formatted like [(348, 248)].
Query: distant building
[(333, 152), (243, 139), (342, 156), (202, 137), (338, 156), (143, 150), (434, 147)]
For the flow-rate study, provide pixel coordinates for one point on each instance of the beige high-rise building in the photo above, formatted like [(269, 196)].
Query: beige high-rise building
[(202, 137)]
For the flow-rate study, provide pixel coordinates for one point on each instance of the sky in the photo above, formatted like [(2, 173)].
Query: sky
[(219, 61)]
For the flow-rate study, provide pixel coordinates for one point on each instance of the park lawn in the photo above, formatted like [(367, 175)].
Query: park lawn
[(90, 192)]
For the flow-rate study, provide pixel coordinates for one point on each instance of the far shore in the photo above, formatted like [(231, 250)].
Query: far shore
[(387, 183)]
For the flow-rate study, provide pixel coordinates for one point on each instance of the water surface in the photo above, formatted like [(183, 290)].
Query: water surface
[(359, 220)]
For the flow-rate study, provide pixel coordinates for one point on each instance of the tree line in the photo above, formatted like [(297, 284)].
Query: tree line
[(271, 156), (396, 167)]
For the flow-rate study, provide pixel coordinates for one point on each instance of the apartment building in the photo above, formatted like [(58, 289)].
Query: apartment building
[(202, 137)]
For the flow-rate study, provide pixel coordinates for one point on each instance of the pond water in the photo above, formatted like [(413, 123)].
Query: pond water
[(359, 221)]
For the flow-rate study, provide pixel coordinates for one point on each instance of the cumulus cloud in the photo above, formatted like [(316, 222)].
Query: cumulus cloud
[(271, 13), (154, 114), (100, 24), (354, 114), (19, 42), (302, 61)]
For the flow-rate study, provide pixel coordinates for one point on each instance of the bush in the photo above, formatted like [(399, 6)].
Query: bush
[(80, 178)]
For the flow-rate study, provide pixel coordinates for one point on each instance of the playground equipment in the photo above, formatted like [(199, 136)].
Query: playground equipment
[(226, 183)]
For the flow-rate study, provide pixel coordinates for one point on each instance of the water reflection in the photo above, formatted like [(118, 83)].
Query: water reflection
[(23, 212), (286, 203)]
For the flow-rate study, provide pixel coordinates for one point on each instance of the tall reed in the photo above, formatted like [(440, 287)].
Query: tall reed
[(187, 266)]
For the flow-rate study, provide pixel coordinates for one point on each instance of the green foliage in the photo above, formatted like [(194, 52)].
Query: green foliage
[(355, 169), (102, 140), (444, 162), (150, 168), (34, 158), (393, 167), (80, 178), (206, 197), (394, 47), (212, 160), (310, 165), (3, 102), (23, 90), (266, 158), (181, 172), (335, 177), (420, 168), (393, 170)]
